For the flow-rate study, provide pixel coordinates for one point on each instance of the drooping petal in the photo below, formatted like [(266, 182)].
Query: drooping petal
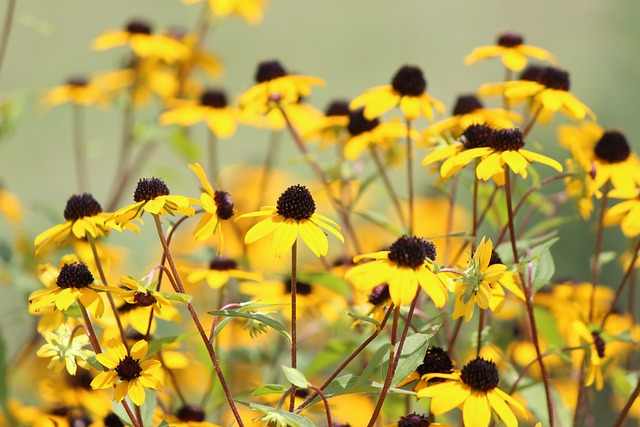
[(104, 380), (263, 228), (136, 392), (284, 236), (313, 237), (476, 410)]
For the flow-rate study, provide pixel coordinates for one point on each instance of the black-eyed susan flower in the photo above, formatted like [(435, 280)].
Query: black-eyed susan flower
[(128, 371), (407, 90), (479, 280), (77, 90), (595, 351), (83, 216), (512, 51), (138, 36), (220, 270), (469, 111), (364, 132), (405, 266), (626, 213), (217, 204), (332, 126), (212, 108), (506, 148), (416, 420), (188, 416), (475, 391), (603, 153), (251, 11), (65, 350), (294, 215), (380, 300), (74, 282), (152, 195), (435, 361), (274, 84)]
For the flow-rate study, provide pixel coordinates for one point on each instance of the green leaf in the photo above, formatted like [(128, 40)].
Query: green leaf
[(93, 362), (149, 407), (542, 266), (376, 360), (178, 297), (364, 319), (155, 345), (413, 351), (552, 223), (295, 377), (164, 423), (328, 280), (332, 353), (353, 384), (183, 145), (274, 324), (548, 327), (290, 419), (270, 389)]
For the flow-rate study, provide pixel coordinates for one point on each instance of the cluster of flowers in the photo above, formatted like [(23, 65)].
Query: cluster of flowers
[(540, 350)]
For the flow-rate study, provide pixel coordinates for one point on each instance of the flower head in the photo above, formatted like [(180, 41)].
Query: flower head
[(294, 214), (364, 132), (511, 49), (152, 195), (626, 213), (77, 90), (220, 270), (475, 391), (65, 350), (128, 372), (405, 266), (435, 361), (407, 90), (596, 351), (249, 10)]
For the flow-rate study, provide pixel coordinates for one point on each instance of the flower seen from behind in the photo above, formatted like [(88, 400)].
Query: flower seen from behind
[(128, 372), (407, 91), (65, 350), (595, 352), (475, 391), (512, 51), (405, 266), (294, 215)]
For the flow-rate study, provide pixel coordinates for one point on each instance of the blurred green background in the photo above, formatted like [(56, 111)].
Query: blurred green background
[(353, 44)]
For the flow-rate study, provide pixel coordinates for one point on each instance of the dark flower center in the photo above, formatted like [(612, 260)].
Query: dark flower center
[(269, 70), (74, 275), (480, 374), (129, 368), (77, 81), (495, 258), (409, 81), (190, 413), (213, 98), (144, 299), (81, 205), (150, 188), (112, 420), (411, 251), (379, 295), (554, 78), (138, 27), (222, 263), (476, 136), (358, 123), (508, 140), (612, 147), (302, 288), (599, 343), (339, 107), (339, 424), (466, 104), (414, 420), (224, 204), (532, 73), (436, 361), (296, 202), (510, 40), (81, 380), (60, 411), (79, 421)]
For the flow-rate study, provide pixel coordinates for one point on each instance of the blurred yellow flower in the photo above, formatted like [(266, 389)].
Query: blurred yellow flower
[(512, 51), (251, 11)]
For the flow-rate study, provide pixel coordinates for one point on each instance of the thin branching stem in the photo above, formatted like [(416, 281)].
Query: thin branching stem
[(595, 268), (6, 30)]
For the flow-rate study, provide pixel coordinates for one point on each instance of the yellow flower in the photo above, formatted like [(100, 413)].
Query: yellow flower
[(511, 49), (626, 213), (405, 266), (294, 215), (76, 91), (479, 283), (596, 352), (407, 90), (83, 216), (152, 195), (129, 373), (604, 153), (470, 111), (364, 132), (380, 299), (137, 35), (211, 108), (580, 188), (220, 270), (73, 282), (249, 10), (10, 206), (330, 127), (507, 149), (275, 85), (475, 391), (65, 351), (435, 361)]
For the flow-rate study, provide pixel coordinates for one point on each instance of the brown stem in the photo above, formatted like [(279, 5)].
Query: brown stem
[(382, 172), (453, 339), (480, 327), (6, 30), (625, 411), (452, 208), (410, 188), (532, 121), (125, 152), (595, 271), (196, 321), (627, 274), (325, 401), (294, 317)]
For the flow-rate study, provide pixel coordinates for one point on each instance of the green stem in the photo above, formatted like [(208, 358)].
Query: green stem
[(627, 274), (625, 411), (595, 268), (410, 177), (269, 161), (294, 317), (196, 321), (387, 183), (6, 30), (532, 122), (480, 327), (79, 149)]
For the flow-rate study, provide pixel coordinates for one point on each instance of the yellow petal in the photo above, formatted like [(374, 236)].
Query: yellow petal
[(313, 236), (476, 410), (139, 350), (263, 228), (104, 380), (136, 392), (284, 237)]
